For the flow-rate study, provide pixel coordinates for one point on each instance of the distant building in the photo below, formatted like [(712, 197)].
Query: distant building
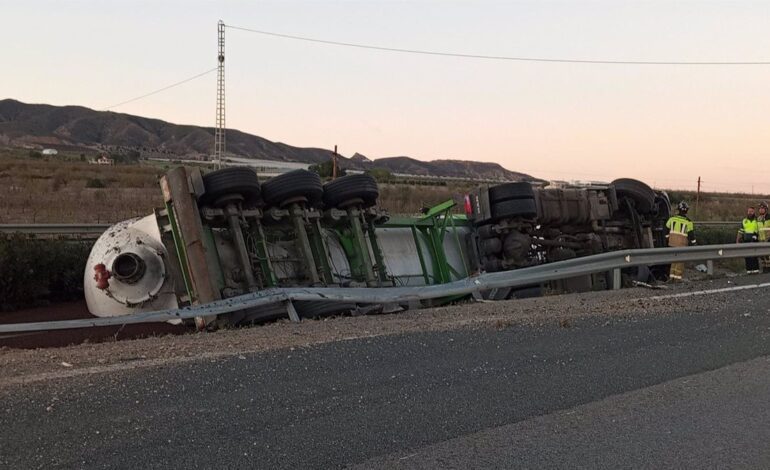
[(49, 152), (103, 160), (561, 184)]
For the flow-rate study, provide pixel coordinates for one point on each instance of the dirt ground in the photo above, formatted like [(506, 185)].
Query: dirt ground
[(26, 366)]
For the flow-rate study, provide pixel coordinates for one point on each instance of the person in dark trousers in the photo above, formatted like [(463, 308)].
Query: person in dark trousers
[(749, 233), (680, 233)]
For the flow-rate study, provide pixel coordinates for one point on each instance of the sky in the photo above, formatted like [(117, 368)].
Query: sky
[(666, 125)]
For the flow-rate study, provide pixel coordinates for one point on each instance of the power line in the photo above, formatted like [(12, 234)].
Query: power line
[(491, 57), (161, 89)]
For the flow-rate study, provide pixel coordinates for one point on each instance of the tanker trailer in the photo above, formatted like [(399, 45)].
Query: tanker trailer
[(224, 233)]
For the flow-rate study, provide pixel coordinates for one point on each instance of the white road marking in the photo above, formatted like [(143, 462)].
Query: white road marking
[(711, 291)]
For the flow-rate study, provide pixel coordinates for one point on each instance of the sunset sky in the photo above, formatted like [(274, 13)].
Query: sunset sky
[(666, 125)]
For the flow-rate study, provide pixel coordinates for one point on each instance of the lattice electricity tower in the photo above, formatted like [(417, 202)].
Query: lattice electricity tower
[(219, 131)]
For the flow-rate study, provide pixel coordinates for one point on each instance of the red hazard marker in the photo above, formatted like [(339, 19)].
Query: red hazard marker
[(102, 276), (468, 206)]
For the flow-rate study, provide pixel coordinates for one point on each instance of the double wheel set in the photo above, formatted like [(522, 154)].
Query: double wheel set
[(513, 200), (241, 185)]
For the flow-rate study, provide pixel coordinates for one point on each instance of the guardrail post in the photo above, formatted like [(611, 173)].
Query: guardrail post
[(293, 316), (710, 267), (616, 279)]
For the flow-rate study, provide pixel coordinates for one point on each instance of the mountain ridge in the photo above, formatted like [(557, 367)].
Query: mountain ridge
[(23, 124)]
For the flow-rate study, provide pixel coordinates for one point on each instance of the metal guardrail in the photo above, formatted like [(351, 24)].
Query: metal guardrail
[(57, 230), (612, 261)]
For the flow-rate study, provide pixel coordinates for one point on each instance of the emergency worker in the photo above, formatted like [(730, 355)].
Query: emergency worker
[(749, 233), (763, 223), (681, 232)]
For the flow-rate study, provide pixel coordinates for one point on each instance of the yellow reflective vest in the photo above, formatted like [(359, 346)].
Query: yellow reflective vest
[(763, 224), (749, 226), (749, 231), (681, 225)]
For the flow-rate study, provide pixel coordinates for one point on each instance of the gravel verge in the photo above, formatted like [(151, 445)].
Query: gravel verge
[(26, 366)]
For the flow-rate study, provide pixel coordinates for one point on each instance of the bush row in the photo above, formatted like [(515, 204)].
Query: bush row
[(36, 272), (715, 235)]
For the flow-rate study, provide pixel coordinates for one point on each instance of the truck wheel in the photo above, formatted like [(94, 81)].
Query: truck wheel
[(319, 308), (509, 191), (514, 208), (239, 181), (349, 189), (642, 195), (295, 184)]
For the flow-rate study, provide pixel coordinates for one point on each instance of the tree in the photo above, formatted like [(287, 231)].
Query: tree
[(326, 169)]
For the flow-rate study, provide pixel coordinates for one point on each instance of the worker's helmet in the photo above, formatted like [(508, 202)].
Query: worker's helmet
[(683, 207), (763, 204)]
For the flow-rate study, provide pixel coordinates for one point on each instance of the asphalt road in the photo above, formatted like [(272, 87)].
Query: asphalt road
[(684, 389)]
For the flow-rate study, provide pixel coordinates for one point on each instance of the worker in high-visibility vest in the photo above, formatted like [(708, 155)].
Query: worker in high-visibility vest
[(749, 233), (681, 232), (763, 223)]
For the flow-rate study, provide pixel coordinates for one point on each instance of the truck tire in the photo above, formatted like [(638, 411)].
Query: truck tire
[(319, 308), (642, 195), (239, 181), (514, 208), (509, 191), (291, 185), (349, 188)]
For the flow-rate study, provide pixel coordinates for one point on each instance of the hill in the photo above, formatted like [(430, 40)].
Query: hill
[(448, 168), (26, 125)]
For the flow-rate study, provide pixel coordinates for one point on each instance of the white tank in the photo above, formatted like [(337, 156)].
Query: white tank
[(132, 254)]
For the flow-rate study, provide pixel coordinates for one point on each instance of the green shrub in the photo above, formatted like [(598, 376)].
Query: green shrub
[(35, 272), (326, 169), (715, 235)]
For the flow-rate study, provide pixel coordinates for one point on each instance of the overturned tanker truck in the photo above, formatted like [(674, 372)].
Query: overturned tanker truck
[(224, 233)]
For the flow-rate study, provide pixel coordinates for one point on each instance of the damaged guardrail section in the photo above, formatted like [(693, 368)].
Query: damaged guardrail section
[(612, 261)]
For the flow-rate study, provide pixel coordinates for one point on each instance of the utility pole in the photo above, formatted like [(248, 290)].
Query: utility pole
[(697, 198), (219, 131), (334, 164)]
